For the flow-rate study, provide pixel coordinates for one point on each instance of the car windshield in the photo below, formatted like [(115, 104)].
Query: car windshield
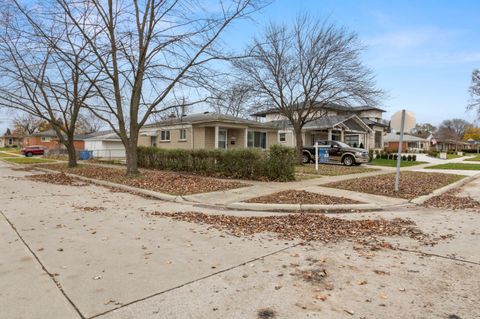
[(341, 144)]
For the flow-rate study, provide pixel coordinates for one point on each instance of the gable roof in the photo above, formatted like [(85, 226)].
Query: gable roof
[(350, 122), (394, 137), (331, 106)]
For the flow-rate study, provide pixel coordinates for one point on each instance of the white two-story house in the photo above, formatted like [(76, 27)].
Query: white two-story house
[(361, 126)]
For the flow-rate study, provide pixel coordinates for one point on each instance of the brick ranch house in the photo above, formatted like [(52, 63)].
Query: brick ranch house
[(50, 140), (354, 126), (411, 143), (208, 131)]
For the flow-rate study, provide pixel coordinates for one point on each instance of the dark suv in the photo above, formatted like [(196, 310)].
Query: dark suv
[(338, 152)]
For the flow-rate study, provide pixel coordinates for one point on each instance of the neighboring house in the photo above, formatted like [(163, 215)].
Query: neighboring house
[(105, 145), (446, 145), (411, 143), (50, 140), (208, 131), (10, 140), (354, 126)]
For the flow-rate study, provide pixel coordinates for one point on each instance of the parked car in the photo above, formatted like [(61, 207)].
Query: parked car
[(29, 151), (338, 152)]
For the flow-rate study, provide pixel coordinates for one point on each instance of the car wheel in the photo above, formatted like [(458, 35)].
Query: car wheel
[(29, 154), (348, 160), (306, 158)]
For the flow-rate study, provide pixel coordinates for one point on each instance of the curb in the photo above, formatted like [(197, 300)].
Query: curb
[(157, 195), (422, 199), (300, 207)]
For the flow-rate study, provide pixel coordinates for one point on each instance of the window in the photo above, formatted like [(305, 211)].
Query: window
[(153, 141), (164, 135), (45, 139), (283, 137), (352, 140), (222, 139), (257, 139), (183, 134)]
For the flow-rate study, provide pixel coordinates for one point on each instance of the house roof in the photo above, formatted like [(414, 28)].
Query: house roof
[(53, 134), (351, 122), (394, 137), (331, 106), (104, 136), (207, 117)]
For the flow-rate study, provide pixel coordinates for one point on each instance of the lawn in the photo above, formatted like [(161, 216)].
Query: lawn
[(27, 160), (473, 159), (412, 184), (393, 163), (7, 155), (308, 170), (459, 166), (10, 150), (157, 181), (301, 197), (452, 156)]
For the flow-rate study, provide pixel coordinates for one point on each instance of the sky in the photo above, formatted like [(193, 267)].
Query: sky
[(422, 52)]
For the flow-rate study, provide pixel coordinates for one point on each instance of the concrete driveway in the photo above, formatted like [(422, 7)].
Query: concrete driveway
[(87, 252)]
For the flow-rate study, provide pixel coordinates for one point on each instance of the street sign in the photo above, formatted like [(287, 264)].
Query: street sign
[(405, 117)]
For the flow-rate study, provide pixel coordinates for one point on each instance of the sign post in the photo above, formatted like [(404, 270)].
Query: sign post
[(316, 156), (400, 144)]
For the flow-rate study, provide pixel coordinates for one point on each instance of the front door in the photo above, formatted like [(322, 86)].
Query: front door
[(222, 139)]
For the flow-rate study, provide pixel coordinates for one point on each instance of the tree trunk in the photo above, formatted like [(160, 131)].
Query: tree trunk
[(132, 158), (72, 155), (299, 144)]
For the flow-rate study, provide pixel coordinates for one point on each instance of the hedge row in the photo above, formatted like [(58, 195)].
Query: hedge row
[(277, 164), (393, 156)]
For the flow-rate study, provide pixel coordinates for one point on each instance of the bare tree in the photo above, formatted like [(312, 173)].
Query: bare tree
[(299, 70), (453, 129), (146, 50), (26, 124), (233, 100), (42, 63), (475, 92)]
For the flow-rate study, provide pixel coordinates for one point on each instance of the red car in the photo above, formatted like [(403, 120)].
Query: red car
[(29, 151)]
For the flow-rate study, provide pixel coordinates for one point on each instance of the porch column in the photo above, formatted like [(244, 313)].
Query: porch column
[(246, 137), (216, 136), (329, 134), (342, 136)]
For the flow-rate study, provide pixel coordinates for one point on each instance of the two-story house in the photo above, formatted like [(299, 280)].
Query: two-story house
[(355, 126)]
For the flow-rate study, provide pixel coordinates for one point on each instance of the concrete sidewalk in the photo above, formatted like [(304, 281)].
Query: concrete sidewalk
[(110, 259)]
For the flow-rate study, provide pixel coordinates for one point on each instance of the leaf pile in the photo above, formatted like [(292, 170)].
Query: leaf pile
[(57, 179), (412, 184), (451, 200), (308, 227), (332, 169), (89, 209), (158, 181), (301, 197)]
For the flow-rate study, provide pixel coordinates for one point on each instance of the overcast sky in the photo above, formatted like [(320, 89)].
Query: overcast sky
[(423, 52)]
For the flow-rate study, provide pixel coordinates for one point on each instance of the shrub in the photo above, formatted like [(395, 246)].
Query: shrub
[(370, 155), (404, 157), (276, 164), (433, 153), (409, 157), (395, 157), (414, 158), (361, 145)]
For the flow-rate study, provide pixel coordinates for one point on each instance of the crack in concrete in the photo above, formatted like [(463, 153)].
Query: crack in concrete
[(52, 276), (438, 255), (195, 280)]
